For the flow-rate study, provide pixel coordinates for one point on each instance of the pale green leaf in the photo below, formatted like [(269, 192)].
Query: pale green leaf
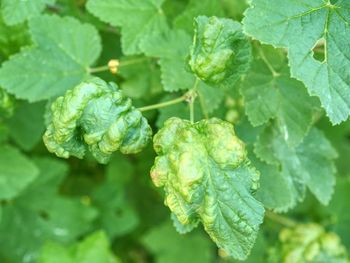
[(63, 50), (206, 176), (16, 172), (310, 164), (300, 26), (17, 11), (168, 246), (172, 48), (196, 8), (270, 93), (94, 248), (276, 191), (138, 19)]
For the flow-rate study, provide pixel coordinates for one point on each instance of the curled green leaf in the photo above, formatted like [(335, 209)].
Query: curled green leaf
[(308, 243), (95, 115), (207, 177), (220, 53)]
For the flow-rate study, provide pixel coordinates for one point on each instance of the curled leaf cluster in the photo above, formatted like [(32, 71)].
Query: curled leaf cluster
[(95, 116)]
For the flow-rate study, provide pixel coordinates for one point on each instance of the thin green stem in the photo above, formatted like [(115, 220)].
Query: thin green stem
[(98, 69), (122, 64), (285, 221), (192, 111), (132, 61), (163, 104)]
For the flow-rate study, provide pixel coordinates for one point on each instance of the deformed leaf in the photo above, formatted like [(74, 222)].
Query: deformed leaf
[(95, 115), (220, 53), (309, 243), (300, 26), (207, 177), (63, 50)]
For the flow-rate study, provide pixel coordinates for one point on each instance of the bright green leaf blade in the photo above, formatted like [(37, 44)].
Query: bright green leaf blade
[(300, 26), (197, 8), (27, 125), (270, 93), (220, 53), (172, 48), (207, 177), (64, 49), (17, 11), (168, 246), (138, 19), (16, 172), (310, 164)]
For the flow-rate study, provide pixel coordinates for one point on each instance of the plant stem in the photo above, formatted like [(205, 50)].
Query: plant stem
[(285, 221), (98, 69), (122, 64), (164, 104), (192, 111)]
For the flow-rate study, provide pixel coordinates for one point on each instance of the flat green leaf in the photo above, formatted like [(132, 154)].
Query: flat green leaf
[(17, 11), (220, 53), (276, 191), (206, 176), (16, 172), (310, 164), (63, 50), (168, 246), (142, 80), (93, 249), (40, 214), (270, 93), (196, 8), (172, 48), (138, 19), (27, 125), (300, 26)]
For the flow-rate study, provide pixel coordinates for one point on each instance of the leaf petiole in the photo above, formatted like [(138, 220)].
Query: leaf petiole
[(164, 104)]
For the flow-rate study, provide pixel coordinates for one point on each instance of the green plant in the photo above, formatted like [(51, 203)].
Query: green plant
[(240, 99)]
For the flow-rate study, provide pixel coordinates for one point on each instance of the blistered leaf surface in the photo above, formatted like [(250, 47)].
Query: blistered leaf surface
[(206, 177), (95, 116)]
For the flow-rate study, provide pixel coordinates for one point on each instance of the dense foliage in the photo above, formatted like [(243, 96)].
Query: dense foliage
[(168, 131)]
